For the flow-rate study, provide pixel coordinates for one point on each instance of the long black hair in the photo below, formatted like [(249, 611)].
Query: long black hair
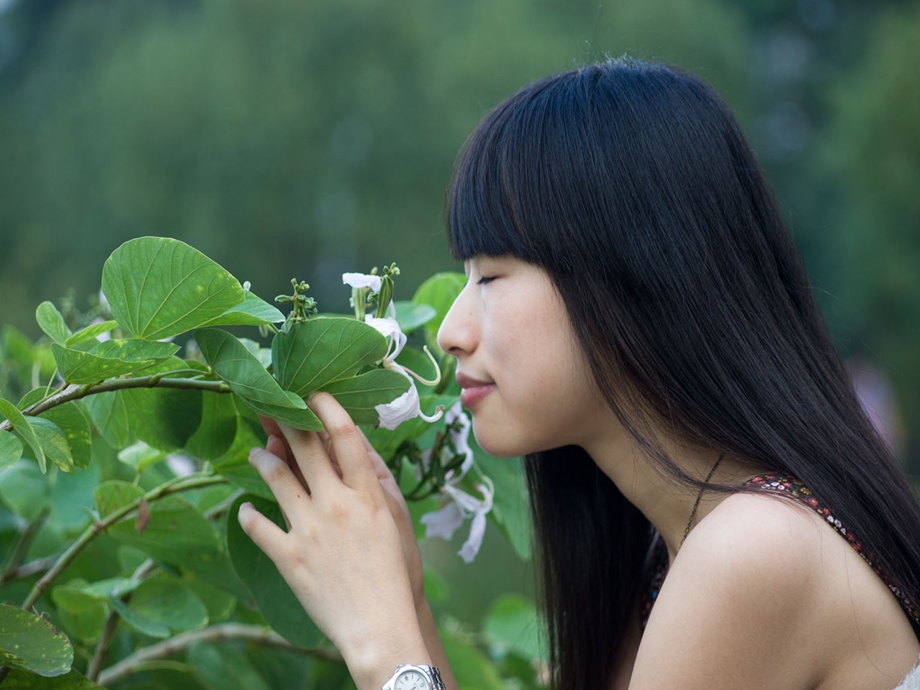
[(633, 186)]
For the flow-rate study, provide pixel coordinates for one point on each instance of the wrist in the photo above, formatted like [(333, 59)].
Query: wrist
[(374, 663)]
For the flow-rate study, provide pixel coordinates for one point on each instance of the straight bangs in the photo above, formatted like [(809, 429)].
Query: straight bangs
[(492, 182)]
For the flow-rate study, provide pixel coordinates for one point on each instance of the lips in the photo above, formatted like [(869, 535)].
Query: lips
[(474, 390)]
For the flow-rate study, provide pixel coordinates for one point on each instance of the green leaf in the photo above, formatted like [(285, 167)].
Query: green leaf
[(317, 352), (53, 442), (10, 449), (138, 621), (139, 456), (471, 668), (510, 509), (274, 597), (236, 365), (23, 680), (411, 315), (512, 624), (90, 332), (71, 500), (110, 415), (110, 359), (219, 420), (24, 489), (52, 323), (24, 430), (360, 394), (220, 667), (439, 291), (177, 534), (82, 614), (253, 311), (164, 418), (72, 421), (160, 287), (31, 643), (167, 602)]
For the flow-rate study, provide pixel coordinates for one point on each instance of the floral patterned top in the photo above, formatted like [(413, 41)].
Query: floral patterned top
[(657, 563)]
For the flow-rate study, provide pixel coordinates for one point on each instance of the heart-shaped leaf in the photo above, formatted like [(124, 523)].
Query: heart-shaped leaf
[(72, 421), (90, 332), (253, 311), (236, 365), (219, 420), (52, 323), (110, 415), (317, 352), (10, 449), (53, 443), (360, 395), (439, 291), (24, 430), (31, 643), (109, 359), (23, 680), (274, 597), (159, 287), (410, 315), (161, 605)]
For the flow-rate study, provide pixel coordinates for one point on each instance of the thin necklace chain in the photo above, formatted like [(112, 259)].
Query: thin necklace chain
[(696, 503)]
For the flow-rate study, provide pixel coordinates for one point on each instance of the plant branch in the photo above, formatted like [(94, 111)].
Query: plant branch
[(94, 530), (11, 566), (76, 391), (225, 632), (144, 570)]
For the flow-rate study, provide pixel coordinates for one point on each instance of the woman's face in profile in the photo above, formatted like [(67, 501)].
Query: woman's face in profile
[(525, 379)]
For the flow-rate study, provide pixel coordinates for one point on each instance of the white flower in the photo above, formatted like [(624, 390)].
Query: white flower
[(406, 406), (444, 522), (461, 505), (362, 280)]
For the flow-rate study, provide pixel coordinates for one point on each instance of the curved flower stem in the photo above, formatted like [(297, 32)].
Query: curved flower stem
[(224, 632), (94, 530), (77, 391)]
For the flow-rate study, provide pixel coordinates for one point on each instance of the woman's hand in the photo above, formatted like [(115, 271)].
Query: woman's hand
[(343, 555)]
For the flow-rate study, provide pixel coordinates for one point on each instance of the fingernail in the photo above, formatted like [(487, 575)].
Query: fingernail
[(253, 452)]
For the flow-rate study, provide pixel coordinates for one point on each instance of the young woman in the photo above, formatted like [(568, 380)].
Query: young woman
[(712, 507)]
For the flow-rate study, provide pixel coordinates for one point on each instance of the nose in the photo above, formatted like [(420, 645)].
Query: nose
[(459, 332)]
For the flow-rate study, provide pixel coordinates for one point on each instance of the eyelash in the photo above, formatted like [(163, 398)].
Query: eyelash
[(484, 280)]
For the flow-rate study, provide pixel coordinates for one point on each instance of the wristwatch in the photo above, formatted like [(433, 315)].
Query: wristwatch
[(412, 677)]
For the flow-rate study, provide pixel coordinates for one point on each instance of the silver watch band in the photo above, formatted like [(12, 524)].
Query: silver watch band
[(431, 674)]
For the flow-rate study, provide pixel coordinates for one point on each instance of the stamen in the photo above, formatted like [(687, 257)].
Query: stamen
[(437, 369)]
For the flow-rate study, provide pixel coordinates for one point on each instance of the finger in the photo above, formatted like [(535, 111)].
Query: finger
[(330, 451), (270, 425), (278, 446), (310, 457), (347, 441), (384, 475), (287, 489), (264, 533)]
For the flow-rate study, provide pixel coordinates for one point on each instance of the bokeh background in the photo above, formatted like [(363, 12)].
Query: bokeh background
[(306, 138)]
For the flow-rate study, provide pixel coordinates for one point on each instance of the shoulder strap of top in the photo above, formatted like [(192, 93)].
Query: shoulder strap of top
[(796, 489)]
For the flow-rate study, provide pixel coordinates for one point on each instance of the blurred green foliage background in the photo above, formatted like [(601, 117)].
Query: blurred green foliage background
[(309, 137)]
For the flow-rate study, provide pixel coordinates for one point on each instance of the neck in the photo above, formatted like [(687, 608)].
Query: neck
[(665, 502)]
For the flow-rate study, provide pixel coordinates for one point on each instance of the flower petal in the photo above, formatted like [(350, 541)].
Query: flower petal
[(444, 522), (389, 328), (362, 280), (477, 531)]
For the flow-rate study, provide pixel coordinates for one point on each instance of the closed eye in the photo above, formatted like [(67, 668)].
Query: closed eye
[(484, 280)]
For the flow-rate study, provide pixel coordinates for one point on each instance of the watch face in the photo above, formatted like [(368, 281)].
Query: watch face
[(410, 679)]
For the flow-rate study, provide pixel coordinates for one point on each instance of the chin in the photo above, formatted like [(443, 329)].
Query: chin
[(499, 445)]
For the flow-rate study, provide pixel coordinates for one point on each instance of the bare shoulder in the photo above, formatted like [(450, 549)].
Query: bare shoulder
[(764, 594)]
